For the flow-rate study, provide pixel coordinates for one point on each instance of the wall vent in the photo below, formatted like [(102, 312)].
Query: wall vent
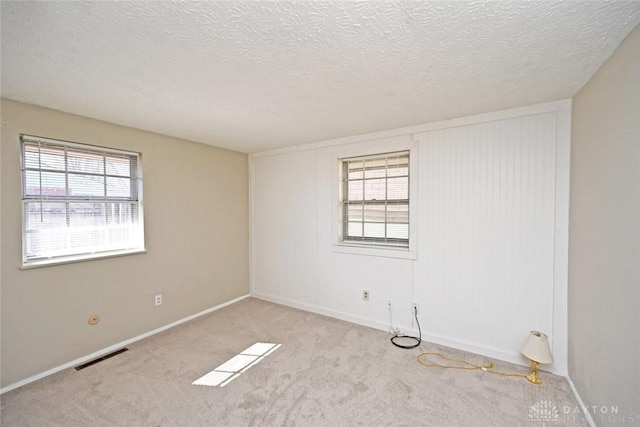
[(100, 359)]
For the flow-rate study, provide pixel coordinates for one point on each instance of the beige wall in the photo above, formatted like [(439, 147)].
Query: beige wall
[(604, 236), (196, 222)]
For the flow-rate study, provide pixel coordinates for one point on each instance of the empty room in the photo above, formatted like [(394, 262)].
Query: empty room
[(330, 213)]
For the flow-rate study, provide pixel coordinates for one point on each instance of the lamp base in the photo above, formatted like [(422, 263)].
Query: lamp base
[(533, 376)]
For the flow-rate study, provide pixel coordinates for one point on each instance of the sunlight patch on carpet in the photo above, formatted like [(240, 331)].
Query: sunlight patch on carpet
[(232, 368)]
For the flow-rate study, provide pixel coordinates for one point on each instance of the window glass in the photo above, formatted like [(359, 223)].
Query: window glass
[(375, 200), (79, 200)]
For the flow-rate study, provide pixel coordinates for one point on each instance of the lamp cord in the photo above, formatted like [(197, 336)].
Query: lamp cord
[(465, 365), (417, 339), (462, 364)]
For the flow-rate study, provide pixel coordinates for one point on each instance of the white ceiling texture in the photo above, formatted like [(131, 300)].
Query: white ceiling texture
[(253, 76)]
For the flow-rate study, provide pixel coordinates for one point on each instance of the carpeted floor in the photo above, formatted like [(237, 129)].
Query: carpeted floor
[(327, 372)]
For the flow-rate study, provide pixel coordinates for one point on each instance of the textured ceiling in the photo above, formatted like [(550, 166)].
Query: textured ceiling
[(252, 76)]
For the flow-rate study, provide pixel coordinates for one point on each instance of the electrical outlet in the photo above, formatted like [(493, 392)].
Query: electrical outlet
[(416, 308), (158, 299), (365, 295), (389, 305)]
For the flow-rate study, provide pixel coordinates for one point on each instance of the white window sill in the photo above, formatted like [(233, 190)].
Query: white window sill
[(78, 258), (384, 252)]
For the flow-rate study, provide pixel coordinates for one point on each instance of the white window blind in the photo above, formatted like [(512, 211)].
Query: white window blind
[(375, 199), (79, 200)]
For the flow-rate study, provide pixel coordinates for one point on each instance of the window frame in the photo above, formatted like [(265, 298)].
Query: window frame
[(381, 204), (380, 147), (135, 199)]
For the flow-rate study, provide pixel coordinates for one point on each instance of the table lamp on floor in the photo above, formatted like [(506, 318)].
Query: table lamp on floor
[(537, 350)]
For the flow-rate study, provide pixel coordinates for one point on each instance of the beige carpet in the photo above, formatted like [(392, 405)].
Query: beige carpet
[(327, 372)]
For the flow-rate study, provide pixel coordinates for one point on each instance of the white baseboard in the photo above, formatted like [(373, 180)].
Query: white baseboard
[(324, 312), (490, 352), (435, 339), (117, 346), (583, 407)]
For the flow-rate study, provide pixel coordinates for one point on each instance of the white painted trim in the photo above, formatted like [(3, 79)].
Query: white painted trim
[(324, 312), (72, 259), (561, 239), (117, 346), (443, 124), (252, 261), (490, 352), (378, 146), (373, 250), (583, 407)]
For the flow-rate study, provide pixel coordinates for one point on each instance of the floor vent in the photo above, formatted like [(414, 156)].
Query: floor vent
[(100, 359)]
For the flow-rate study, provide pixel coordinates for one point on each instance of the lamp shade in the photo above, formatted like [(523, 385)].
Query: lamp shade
[(537, 348)]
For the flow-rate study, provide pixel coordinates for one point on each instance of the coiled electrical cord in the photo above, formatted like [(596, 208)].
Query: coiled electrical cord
[(417, 340), (458, 363)]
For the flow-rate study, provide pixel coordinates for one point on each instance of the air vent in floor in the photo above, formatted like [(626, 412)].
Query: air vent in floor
[(100, 359)]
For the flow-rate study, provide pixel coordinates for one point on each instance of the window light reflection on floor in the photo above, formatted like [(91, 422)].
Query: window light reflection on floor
[(232, 368)]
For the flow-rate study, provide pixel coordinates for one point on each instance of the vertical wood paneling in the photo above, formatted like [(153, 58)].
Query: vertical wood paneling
[(484, 274), (284, 226), (485, 271)]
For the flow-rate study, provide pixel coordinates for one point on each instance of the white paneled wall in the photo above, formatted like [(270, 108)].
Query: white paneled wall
[(485, 273), (284, 227), (491, 234)]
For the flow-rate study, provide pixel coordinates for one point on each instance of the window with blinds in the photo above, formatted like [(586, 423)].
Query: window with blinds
[(375, 199), (79, 201)]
